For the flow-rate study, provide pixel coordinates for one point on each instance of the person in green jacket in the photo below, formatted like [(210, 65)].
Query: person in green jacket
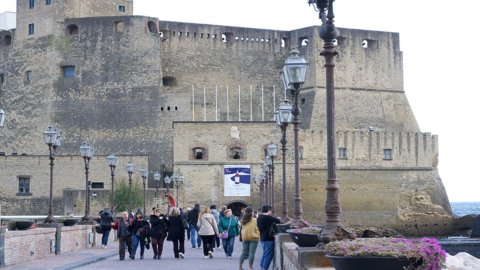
[(229, 224)]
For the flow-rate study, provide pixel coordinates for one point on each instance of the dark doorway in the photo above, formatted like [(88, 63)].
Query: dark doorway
[(237, 208)]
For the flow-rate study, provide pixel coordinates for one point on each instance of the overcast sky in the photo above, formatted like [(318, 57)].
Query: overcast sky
[(441, 57)]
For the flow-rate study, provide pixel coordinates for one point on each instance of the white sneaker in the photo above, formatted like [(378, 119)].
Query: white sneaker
[(210, 255), (181, 255), (206, 257), (229, 257)]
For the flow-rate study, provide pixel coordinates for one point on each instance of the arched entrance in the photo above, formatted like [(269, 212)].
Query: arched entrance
[(237, 207)]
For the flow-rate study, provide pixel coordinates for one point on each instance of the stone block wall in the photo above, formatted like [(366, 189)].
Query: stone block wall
[(28, 245)]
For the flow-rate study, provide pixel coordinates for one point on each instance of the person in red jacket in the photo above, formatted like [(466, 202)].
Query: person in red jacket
[(123, 226)]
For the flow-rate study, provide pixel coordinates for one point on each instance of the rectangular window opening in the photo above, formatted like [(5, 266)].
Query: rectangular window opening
[(387, 154), (121, 8), (31, 29), (342, 153), (68, 71), (31, 4), (98, 185), (24, 185), (48, 2)]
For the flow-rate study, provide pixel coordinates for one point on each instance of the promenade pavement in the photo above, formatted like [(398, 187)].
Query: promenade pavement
[(106, 259)]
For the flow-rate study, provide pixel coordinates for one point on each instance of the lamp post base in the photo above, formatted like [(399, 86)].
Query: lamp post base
[(298, 223), (87, 220), (334, 232), (49, 219)]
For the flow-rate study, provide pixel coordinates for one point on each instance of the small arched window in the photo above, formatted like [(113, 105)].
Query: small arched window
[(8, 40), (72, 29), (152, 27), (236, 153)]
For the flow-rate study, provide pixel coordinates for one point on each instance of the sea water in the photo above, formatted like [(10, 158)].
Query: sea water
[(465, 208)]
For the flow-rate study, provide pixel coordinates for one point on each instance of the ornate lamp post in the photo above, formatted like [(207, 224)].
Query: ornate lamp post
[(156, 177), (130, 168), (266, 174), (272, 152), (167, 182), (53, 140), (260, 180), (2, 118), (283, 117), (177, 181), (144, 174), (86, 151), (328, 33), (294, 73), (112, 161)]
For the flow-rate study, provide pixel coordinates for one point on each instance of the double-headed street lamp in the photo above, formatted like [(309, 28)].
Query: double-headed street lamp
[(177, 182), (294, 73), (2, 118), (144, 174), (112, 161), (86, 151), (272, 152), (53, 140), (130, 168), (283, 117)]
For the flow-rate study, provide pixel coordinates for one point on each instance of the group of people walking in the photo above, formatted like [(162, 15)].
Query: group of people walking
[(205, 226)]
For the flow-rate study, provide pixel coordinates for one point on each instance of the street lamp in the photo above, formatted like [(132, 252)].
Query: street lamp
[(328, 33), (86, 151), (283, 117), (156, 177), (266, 173), (144, 174), (53, 140), (130, 168), (167, 182), (112, 161), (177, 181), (2, 118), (294, 73), (272, 152), (260, 180)]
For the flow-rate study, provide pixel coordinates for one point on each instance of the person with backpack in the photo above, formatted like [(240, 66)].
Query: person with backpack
[(158, 233), (265, 222), (106, 221)]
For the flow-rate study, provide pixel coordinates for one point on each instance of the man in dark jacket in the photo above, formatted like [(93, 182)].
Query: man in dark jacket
[(106, 221), (123, 225), (192, 221), (265, 222)]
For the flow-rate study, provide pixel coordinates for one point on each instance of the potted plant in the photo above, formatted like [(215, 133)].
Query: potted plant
[(305, 236), (386, 253)]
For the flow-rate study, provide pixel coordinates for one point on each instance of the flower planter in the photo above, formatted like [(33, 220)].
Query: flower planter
[(70, 222), (23, 224), (370, 262), (305, 237), (282, 228)]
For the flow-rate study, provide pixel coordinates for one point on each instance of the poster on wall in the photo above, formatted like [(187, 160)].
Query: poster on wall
[(236, 180)]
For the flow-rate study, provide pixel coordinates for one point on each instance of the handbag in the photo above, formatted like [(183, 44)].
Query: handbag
[(185, 224), (98, 229), (224, 234)]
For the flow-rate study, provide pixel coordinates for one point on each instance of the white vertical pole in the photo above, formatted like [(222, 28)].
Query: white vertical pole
[(216, 103), (228, 107), (193, 102), (204, 105), (251, 106), (284, 93), (239, 108), (263, 116)]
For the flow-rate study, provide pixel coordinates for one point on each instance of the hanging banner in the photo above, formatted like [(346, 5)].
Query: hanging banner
[(236, 180)]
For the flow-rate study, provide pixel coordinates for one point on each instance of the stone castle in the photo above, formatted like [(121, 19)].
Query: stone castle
[(160, 92)]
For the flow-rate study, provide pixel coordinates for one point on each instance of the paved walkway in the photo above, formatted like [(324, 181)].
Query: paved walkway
[(99, 259)]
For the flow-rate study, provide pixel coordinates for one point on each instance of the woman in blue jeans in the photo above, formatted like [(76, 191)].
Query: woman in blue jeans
[(230, 224), (139, 227)]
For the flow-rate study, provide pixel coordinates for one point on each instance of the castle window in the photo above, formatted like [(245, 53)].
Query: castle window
[(31, 4), (72, 29), (369, 44), (8, 40), (48, 2), (169, 81), (152, 27), (31, 29), (121, 8), (236, 153), (284, 42), (199, 153), (97, 185), (119, 27), (23, 186), (303, 41), (387, 154), (227, 37), (68, 71), (342, 153), (161, 34), (28, 76)]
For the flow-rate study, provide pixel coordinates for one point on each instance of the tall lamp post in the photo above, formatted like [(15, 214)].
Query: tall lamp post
[(167, 182), (112, 161), (53, 140), (130, 168), (86, 151), (266, 173), (177, 181), (272, 152), (260, 180), (144, 174), (283, 117), (328, 33), (2, 118), (157, 177), (294, 73)]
